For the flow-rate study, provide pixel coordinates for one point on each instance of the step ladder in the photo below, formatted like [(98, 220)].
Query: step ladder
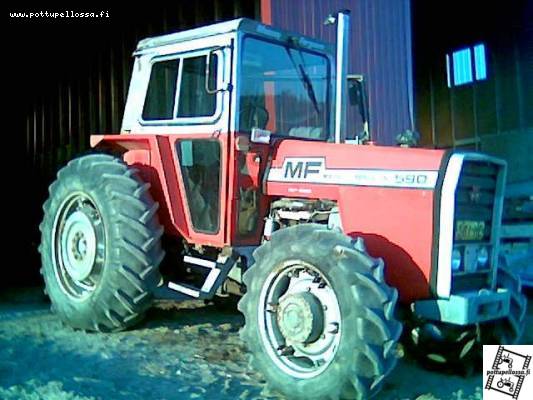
[(217, 272)]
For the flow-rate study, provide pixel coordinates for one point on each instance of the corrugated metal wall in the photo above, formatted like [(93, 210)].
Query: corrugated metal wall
[(89, 95), (490, 115), (380, 49)]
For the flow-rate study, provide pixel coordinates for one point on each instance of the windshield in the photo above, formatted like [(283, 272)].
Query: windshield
[(284, 90)]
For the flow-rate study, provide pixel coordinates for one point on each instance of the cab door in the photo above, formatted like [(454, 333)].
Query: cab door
[(187, 103)]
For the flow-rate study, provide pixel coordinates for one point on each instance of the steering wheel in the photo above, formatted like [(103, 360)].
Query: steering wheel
[(253, 116)]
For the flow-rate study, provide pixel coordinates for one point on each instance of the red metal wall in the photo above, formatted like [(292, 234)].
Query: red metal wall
[(380, 49)]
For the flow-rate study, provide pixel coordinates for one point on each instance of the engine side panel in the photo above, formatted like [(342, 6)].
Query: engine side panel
[(384, 194)]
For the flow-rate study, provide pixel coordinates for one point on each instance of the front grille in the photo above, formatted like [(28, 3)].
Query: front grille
[(471, 281), (475, 197)]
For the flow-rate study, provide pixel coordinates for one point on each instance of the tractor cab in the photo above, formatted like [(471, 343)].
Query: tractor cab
[(237, 76)]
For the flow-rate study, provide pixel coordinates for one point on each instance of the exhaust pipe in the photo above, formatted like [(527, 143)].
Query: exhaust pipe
[(343, 32)]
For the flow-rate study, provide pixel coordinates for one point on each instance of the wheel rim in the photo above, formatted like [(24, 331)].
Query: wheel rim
[(78, 246), (299, 319)]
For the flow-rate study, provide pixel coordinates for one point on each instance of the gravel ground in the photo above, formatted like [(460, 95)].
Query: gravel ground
[(183, 351)]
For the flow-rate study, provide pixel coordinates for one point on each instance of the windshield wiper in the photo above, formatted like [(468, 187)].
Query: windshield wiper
[(306, 81), (309, 87)]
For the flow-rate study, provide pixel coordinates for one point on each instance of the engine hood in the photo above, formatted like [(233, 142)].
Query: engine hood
[(297, 162), (386, 195)]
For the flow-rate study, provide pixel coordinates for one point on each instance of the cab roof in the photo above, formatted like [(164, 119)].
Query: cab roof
[(240, 24)]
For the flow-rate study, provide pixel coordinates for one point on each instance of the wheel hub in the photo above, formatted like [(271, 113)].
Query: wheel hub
[(301, 318), (78, 244)]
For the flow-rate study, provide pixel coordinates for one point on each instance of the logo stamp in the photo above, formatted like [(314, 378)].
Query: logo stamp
[(507, 372)]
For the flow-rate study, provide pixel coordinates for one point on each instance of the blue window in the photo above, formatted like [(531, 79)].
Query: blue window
[(466, 65), (462, 67), (480, 62)]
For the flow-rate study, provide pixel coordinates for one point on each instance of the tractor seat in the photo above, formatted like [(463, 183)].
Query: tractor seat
[(309, 132)]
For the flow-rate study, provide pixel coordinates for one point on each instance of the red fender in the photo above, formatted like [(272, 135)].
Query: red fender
[(156, 159)]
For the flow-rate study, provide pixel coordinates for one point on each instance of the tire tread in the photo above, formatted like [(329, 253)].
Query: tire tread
[(122, 300)]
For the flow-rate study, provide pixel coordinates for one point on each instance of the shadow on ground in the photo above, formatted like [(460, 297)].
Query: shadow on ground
[(183, 351)]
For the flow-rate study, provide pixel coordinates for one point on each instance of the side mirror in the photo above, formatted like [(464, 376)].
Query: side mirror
[(357, 95), (357, 92), (211, 71), (260, 136)]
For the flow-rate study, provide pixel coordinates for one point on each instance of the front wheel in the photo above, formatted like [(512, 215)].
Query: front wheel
[(459, 348), (319, 317)]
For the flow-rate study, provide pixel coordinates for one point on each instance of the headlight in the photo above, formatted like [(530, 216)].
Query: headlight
[(482, 256), (456, 260)]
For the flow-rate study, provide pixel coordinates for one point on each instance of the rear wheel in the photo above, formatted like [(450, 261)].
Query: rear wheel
[(100, 244), (319, 317)]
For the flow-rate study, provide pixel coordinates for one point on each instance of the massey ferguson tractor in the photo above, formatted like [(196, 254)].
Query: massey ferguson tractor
[(232, 158)]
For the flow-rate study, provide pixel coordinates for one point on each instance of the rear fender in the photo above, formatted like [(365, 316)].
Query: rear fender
[(153, 157)]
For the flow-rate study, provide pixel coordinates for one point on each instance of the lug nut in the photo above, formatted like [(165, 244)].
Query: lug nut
[(272, 308), (333, 328), (286, 351)]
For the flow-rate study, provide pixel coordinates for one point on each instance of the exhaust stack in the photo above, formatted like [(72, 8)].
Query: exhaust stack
[(343, 31)]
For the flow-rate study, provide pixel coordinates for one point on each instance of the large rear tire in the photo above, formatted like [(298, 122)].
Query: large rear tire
[(319, 316), (100, 244)]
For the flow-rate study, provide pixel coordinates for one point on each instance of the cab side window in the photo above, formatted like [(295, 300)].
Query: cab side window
[(186, 84), (194, 99), (159, 102)]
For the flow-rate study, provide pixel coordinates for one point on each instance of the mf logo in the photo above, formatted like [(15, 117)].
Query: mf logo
[(302, 168), (475, 195)]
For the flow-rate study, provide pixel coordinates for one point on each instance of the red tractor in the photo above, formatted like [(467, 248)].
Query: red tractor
[(233, 150)]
